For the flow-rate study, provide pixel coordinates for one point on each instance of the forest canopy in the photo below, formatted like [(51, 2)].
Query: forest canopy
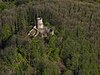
[(74, 49)]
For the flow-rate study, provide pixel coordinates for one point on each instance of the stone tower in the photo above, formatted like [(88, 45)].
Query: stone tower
[(39, 23)]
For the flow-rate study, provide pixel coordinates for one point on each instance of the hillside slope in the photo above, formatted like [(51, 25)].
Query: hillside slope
[(73, 50)]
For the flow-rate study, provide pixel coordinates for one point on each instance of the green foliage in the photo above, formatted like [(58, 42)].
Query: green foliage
[(98, 1), (6, 33), (68, 72), (2, 6), (69, 53), (50, 68), (73, 50)]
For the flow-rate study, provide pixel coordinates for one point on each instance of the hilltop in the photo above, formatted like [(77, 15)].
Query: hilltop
[(73, 50)]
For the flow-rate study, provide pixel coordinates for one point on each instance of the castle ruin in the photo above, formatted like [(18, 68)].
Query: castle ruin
[(40, 30)]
